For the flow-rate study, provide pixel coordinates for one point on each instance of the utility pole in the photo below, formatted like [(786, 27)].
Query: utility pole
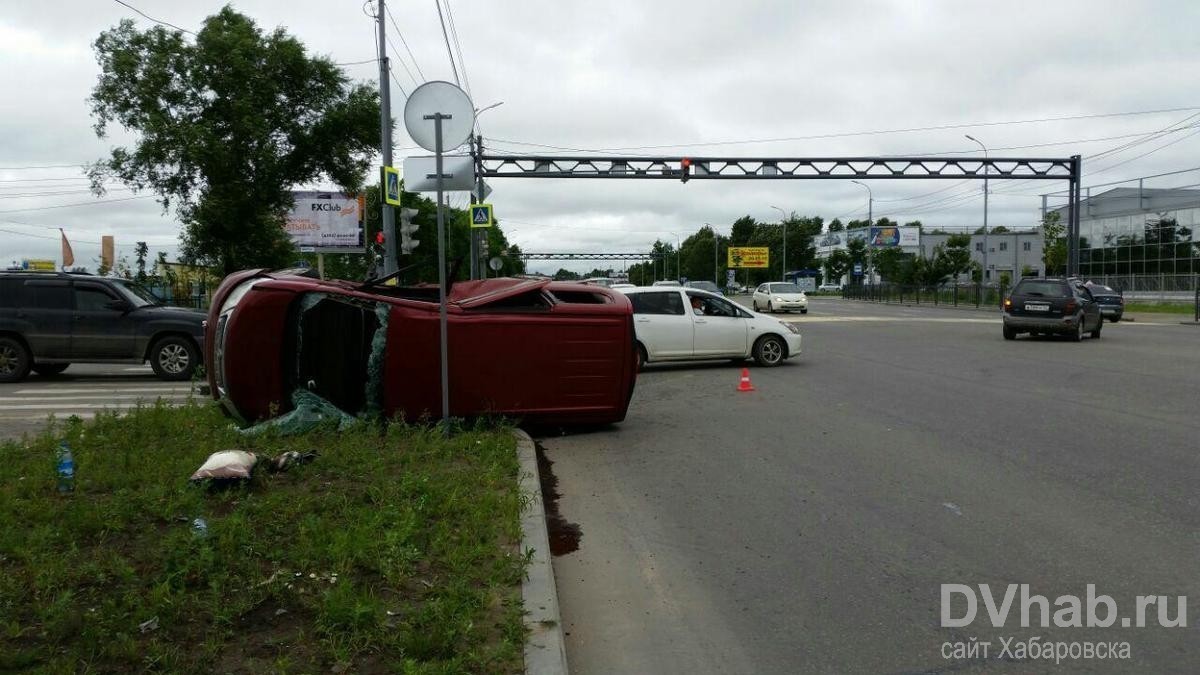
[(986, 272), (477, 150), (870, 220), (783, 224), (387, 222)]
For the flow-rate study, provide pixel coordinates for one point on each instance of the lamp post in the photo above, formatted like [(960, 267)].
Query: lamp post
[(783, 224), (986, 273), (678, 247), (870, 219), (716, 246), (478, 271)]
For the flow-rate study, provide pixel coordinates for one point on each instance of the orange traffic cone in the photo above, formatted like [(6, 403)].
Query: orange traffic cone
[(745, 385)]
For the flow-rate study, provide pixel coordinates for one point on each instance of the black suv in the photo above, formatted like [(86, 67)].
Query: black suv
[(50, 319), (1039, 306)]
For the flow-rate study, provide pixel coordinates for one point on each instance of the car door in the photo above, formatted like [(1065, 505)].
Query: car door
[(97, 330), (761, 296), (662, 325), (720, 329), (1091, 309), (45, 305)]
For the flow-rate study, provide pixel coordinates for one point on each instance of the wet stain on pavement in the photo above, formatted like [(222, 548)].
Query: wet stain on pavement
[(564, 535)]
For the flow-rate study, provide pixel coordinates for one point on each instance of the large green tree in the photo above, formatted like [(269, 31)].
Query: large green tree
[(225, 125), (1054, 243)]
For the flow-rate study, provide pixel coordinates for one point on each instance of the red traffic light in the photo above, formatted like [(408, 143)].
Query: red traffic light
[(685, 169), (379, 237), (685, 162)]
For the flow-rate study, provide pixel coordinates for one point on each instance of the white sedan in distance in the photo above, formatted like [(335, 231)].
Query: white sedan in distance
[(684, 324), (777, 296)]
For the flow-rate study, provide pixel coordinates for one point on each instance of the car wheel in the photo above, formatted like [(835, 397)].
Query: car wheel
[(1077, 336), (769, 351), (15, 360), (1096, 333), (1009, 334), (770, 308), (174, 358), (49, 369), (804, 311), (1114, 319), (755, 304), (641, 358)]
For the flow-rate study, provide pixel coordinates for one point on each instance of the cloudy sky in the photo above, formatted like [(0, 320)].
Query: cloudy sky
[(690, 78)]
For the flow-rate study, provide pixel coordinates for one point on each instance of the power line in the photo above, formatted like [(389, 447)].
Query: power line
[(458, 48), (158, 21), (67, 206), (447, 39), (355, 63), (401, 60), (404, 42), (43, 166), (939, 127), (393, 74)]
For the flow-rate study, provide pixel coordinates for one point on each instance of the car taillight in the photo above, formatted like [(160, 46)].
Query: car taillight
[(1007, 304), (1070, 307)]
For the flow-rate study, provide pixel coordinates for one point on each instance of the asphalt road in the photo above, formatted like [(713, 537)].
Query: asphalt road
[(808, 526), (83, 390)]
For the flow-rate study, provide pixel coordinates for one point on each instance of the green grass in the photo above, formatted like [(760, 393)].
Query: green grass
[(393, 551), (1163, 307)]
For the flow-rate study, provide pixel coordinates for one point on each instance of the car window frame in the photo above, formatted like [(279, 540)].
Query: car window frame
[(91, 286), (683, 307), (27, 301)]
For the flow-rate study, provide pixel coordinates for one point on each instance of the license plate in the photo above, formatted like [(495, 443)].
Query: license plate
[(1036, 308)]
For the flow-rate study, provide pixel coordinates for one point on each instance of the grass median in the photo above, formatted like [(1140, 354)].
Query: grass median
[(1161, 307), (392, 551)]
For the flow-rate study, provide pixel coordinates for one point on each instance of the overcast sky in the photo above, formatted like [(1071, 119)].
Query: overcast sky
[(632, 74)]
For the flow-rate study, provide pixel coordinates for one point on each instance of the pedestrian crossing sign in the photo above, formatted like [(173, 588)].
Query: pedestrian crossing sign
[(481, 215)]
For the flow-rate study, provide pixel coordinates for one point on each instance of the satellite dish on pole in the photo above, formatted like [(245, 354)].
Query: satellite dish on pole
[(495, 263), (439, 97)]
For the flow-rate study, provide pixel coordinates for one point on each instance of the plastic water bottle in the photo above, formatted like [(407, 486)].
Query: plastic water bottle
[(66, 468)]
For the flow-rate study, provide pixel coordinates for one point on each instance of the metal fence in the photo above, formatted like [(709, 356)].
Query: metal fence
[(1160, 287), (950, 295)]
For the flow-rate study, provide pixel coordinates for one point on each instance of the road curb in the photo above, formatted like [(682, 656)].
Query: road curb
[(545, 649)]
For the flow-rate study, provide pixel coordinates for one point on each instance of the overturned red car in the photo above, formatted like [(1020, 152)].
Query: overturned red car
[(540, 351)]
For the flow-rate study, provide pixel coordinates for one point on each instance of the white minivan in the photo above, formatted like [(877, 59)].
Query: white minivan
[(680, 324)]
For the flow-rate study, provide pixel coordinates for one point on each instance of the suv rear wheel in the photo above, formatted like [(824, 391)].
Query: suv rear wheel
[(49, 369), (1077, 336), (1099, 325), (1009, 334), (15, 360), (174, 358)]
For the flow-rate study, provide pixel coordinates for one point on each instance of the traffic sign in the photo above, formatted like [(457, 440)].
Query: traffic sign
[(391, 185), (858, 269), (481, 215), (487, 190)]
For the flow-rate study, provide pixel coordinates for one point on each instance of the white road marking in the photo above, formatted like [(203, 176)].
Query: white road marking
[(65, 405), (905, 319)]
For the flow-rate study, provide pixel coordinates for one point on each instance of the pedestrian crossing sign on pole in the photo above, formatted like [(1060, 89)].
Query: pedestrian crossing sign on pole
[(481, 215)]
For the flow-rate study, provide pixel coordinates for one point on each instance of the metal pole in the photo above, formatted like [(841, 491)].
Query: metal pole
[(472, 239), (783, 224), (387, 220), (441, 226), (986, 172)]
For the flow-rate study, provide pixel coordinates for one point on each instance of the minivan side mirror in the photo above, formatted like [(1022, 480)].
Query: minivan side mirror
[(118, 305)]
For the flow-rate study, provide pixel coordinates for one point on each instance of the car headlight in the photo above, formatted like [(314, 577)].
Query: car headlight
[(778, 299), (792, 327)]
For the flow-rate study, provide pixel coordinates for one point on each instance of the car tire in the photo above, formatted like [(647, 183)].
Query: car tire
[(755, 304), (804, 311), (1009, 334), (640, 351), (15, 360), (49, 369), (1114, 319), (1096, 333), (769, 351), (1077, 336), (174, 358), (770, 308)]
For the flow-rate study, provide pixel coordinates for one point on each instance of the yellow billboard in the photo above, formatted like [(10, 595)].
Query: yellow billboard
[(753, 257)]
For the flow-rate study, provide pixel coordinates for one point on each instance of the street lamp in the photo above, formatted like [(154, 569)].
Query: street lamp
[(783, 224), (870, 219), (678, 247), (477, 270), (986, 273), (716, 246)]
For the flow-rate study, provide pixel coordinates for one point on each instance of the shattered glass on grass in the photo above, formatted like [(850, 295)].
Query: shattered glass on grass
[(309, 411)]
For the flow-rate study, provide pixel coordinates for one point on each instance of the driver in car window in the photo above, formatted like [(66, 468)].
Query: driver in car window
[(697, 306)]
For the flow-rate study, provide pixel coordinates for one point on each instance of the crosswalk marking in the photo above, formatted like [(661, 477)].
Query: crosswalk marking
[(181, 396), (107, 390), (71, 405)]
